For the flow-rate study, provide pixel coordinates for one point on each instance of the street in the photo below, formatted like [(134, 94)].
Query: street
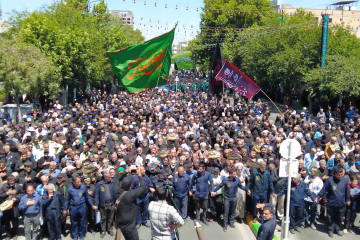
[(188, 232)]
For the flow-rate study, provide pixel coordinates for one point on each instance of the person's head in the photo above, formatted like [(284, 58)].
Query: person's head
[(112, 172), (11, 180), (262, 165), (44, 179), (52, 166), (201, 168), (181, 171), (60, 178), (313, 172), (76, 181), (232, 173), (297, 179), (340, 173), (30, 190), (107, 176), (322, 164), (354, 181), (268, 213), (161, 193), (50, 189)]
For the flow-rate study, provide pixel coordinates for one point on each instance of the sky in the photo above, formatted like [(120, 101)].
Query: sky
[(161, 18)]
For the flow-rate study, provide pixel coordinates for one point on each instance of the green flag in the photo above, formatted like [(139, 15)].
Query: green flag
[(144, 65)]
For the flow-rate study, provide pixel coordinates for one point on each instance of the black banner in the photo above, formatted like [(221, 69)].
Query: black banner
[(217, 63)]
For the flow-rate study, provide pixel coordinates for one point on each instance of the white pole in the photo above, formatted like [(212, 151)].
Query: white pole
[(287, 220)]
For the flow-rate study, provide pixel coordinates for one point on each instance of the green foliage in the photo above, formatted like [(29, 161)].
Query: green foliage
[(74, 41), (25, 69), (341, 75), (271, 51)]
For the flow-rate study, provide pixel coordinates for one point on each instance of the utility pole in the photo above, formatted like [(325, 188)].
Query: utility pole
[(324, 38)]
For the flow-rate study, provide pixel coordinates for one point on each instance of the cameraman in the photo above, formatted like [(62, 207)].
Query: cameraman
[(163, 217), (126, 212)]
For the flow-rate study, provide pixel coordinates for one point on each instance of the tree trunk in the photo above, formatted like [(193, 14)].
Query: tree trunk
[(16, 98)]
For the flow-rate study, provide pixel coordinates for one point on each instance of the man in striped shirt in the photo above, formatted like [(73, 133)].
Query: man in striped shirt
[(164, 218)]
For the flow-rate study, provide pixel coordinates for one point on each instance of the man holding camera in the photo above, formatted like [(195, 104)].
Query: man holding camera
[(126, 210)]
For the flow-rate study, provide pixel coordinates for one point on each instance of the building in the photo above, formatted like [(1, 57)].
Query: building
[(179, 47), (341, 13), (127, 16)]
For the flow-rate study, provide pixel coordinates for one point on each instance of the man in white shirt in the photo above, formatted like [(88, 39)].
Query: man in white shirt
[(315, 184), (163, 217)]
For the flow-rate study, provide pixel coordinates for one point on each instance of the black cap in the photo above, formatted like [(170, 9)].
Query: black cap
[(163, 172), (216, 169), (126, 182), (28, 164), (60, 175)]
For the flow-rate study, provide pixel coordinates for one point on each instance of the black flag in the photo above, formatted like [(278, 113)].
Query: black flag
[(175, 66), (216, 86)]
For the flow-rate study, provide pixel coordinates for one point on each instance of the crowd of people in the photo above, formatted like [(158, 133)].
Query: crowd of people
[(131, 160)]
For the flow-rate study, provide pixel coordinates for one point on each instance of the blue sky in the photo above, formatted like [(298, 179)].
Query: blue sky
[(158, 15)]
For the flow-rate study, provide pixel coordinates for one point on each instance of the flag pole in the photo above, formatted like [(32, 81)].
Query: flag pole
[(271, 101)]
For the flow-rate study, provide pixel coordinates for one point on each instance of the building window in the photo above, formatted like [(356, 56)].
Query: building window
[(330, 20), (317, 19)]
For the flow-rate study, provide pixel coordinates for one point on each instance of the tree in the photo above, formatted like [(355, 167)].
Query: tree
[(74, 41), (340, 76), (24, 69)]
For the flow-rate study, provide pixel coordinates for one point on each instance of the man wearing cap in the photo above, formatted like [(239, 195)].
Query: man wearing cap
[(76, 199), (126, 213), (104, 199), (29, 175), (201, 194), (231, 185), (260, 185), (181, 185)]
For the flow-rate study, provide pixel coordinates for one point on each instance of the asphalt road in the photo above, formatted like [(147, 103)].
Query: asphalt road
[(321, 232), (187, 232)]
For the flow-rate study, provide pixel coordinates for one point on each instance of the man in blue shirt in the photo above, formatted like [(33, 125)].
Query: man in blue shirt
[(52, 203), (32, 207), (267, 228), (181, 185), (76, 199), (104, 200), (201, 194), (298, 191), (260, 184), (231, 184), (142, 202), (338, 196)]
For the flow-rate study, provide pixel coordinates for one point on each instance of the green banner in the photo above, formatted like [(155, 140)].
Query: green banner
[(144, 65), (183, 60)]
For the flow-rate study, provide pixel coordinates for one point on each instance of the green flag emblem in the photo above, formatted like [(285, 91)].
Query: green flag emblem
[(144, 65)]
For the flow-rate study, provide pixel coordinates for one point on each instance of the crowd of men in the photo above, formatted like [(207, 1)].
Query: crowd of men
[(106, 159)]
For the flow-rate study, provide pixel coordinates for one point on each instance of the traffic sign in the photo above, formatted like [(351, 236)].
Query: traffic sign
[(290, 148)]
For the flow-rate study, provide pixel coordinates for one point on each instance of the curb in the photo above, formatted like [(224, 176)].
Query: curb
[(254, 226)]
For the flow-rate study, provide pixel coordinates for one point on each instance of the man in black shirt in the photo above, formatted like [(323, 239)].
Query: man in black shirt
[(126, 212)]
